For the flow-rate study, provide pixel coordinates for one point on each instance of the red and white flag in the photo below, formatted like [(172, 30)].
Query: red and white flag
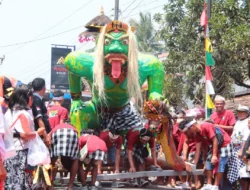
[(209, 78)]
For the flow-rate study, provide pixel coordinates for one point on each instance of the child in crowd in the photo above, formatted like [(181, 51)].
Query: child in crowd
[(57, 114), (97, 152), (20, 121), (137, 138), (114, 143)]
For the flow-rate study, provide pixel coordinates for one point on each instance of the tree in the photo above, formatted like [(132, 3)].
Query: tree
[(230, 37), (144, 30)]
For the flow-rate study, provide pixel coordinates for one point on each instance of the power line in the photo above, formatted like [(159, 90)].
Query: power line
[(30, 41), (39, 72), (128, 7), (144, 5), (31, 68), (135, 8), (74, 12), (40, 63), (145, 11)]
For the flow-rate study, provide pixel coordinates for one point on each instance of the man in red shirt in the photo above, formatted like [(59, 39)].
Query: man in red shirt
[(137, 151), (218, 141), (223, 118), (57, 114), (114, 143)]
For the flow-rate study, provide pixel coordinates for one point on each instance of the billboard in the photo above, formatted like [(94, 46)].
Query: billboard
[(59, 74)]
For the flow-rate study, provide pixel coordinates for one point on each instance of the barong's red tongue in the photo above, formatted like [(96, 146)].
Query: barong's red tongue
[(116, 68)]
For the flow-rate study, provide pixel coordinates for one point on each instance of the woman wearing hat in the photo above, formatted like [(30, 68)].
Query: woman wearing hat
[(238, 139)]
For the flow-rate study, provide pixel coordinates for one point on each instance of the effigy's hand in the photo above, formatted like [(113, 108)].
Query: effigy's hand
[(76, 105), (155, 96)]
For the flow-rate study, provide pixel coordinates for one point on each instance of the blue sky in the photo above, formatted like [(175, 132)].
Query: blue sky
[(27, 20)]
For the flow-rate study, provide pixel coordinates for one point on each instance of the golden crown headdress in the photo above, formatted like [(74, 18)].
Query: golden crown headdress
[(116, 26)]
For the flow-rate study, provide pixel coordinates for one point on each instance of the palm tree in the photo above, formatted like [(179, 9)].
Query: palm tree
[(145, 33)]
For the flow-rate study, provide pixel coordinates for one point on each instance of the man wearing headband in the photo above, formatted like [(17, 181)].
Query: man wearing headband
[(114, 143), (216, 146), (57, 113), (223, 118), (137, 152)]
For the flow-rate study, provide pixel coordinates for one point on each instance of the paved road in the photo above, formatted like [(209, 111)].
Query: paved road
[(107, 186)]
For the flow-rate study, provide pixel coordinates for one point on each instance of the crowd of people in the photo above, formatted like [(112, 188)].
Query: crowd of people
[(219, 145), (25, 115)]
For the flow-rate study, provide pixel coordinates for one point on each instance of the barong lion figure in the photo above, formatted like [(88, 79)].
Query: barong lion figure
[(115, 73)]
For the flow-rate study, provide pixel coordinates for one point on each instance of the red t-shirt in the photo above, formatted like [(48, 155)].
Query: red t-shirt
[(191, 144), (57, 113), (176, 134), (208, 132), (94, 143), (104, 135), (133, 139), (225, 117)]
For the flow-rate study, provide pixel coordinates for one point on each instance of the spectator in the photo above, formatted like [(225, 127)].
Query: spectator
[(97, 152), (137, 151), (114, 143), (57, 114), (244, 172), (223, 118), (21, 122), (65, 145), (238, 139), (7, 85), (3, 172), (206, 134), (39, 109)]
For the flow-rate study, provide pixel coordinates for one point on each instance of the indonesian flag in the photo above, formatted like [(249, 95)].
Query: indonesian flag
[(209, 78)]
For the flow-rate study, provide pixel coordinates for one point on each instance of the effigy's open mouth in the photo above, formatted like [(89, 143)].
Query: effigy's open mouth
[(116, 60)]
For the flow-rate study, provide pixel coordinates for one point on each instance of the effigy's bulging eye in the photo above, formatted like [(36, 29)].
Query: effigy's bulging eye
[(125, 41), (107, 42)]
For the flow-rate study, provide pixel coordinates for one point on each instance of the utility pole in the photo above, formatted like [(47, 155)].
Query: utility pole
[(116, 9), (209, 8)]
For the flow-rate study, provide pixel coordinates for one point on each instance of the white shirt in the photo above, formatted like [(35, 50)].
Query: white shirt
[(240, 131), (24, 123)]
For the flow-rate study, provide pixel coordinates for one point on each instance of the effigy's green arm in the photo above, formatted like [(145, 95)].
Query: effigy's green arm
[(156, 81), (80, 64), (152, 69), (75, 85)]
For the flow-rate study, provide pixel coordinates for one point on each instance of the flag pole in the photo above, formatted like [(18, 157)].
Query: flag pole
[(205, 34), (208, 8)]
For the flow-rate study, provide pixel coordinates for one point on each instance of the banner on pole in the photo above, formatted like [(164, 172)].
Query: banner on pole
[(59, 73)]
